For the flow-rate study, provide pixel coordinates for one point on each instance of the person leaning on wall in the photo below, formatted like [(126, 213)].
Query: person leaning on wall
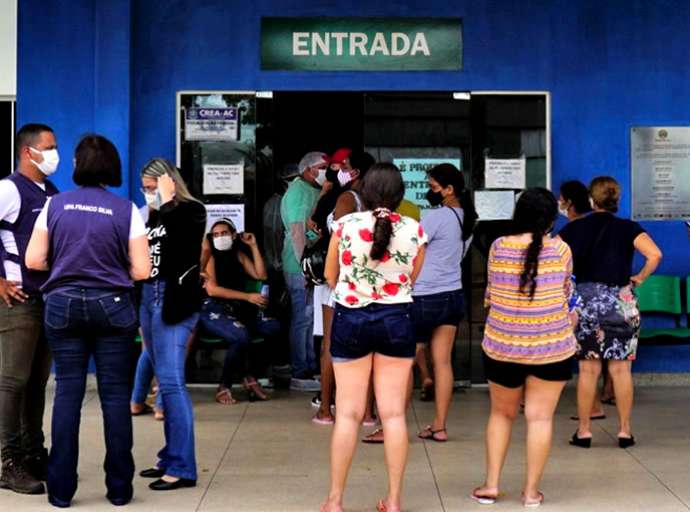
[(94, 245), (603, 247)]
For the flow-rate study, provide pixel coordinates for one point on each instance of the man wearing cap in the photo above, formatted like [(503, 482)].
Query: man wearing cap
[(295, 208)]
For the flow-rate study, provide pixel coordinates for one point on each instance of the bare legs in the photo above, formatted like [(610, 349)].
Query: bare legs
[(423, 365), (621, 375), (327, 375), (541, 398), (391, 376), (441, 348), (586, 394)]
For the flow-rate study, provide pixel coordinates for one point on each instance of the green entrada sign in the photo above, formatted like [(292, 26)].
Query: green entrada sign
[(361, 44)]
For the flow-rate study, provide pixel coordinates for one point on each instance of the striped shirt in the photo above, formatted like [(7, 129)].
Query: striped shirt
[(523, 330)]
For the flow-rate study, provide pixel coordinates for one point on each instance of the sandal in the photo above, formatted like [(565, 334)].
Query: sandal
[(376, 437), (483, 499), (256, 392), (533, 503), (430, 435), (328, 420), (224, 397)]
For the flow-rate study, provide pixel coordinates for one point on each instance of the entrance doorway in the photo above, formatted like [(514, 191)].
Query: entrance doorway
[(412, 129)]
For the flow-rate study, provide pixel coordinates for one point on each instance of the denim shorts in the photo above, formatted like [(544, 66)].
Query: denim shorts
[(378, 328), (435, 310)]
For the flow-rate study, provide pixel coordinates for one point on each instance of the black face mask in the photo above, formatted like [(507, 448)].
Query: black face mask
[(434, 198), (332, 176)]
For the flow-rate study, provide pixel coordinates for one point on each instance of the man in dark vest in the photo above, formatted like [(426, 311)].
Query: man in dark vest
[(24, 354)]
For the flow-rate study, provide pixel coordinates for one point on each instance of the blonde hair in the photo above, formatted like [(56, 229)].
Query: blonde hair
[(605, 193), (157, 167)]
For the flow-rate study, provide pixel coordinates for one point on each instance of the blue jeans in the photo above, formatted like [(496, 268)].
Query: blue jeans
[(168, 344), (80, 323), (301, 327), (217, 319), (143, 376)]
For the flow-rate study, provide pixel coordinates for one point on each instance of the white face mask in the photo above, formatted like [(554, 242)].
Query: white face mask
[(153, 200), (321, 177), (344, 177), (223, 243), (51, 159)]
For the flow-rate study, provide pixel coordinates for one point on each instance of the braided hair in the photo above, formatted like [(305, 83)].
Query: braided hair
[(382, 190), (535, 213)]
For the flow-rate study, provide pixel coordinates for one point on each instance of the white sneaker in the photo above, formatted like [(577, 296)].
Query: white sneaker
[(304, 384)]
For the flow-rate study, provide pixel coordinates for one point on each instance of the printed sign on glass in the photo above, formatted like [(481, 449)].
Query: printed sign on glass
[(414, 172), (210, 124), (224, 179), (505, 173), (234, 212)]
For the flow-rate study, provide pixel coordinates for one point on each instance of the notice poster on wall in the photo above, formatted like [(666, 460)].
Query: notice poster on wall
[(234, 212), (494, 204), (505, 173), (210, 124), (660, 169), (414, 172), (224, 179)]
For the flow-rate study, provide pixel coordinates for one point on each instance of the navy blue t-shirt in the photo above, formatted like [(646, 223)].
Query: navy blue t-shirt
[(610, 261)]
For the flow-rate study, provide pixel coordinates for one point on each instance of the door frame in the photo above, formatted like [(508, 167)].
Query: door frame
[(547, 94)]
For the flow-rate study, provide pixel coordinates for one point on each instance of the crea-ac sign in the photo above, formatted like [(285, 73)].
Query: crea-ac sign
[(312, 44), (361, 44)]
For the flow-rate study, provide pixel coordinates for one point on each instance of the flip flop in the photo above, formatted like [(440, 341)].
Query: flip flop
[(371, 438), (225, 393), (483, 499), (323, 421), (533, 504), (430, 435)]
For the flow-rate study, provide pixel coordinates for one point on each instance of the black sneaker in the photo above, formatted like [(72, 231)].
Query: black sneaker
[(316, 401), (16, 478), (37, 465)]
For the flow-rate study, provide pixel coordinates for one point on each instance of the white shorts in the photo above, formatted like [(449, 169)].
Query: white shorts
[(323, 296)]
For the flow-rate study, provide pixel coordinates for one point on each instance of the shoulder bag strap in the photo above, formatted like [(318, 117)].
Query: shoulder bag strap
[(462, 231)]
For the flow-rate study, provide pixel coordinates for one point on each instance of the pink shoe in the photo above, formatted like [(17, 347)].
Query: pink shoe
[(323, 421)]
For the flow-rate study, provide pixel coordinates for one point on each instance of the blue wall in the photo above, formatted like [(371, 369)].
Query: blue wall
[(114, 66)]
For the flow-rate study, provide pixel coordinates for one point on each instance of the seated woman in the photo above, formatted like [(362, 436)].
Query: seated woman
[(231, 313)]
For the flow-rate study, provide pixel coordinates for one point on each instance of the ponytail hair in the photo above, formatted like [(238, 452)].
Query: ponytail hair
[(382, 191), (447, 174), (535, 213)]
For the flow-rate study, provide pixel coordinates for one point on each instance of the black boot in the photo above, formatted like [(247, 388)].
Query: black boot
[(37, 465), (18, 479)]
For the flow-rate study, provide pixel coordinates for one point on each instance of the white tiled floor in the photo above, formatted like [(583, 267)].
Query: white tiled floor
[(264, 457)]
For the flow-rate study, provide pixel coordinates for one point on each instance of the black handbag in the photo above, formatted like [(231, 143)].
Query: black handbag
[(314, 262)]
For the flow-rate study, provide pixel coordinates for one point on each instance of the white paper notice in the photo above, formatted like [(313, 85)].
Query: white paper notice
[(494, 204), (224, 179), (505, 173), (234, 212)]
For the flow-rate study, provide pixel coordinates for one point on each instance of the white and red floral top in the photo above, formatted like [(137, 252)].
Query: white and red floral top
[(363, 281)]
